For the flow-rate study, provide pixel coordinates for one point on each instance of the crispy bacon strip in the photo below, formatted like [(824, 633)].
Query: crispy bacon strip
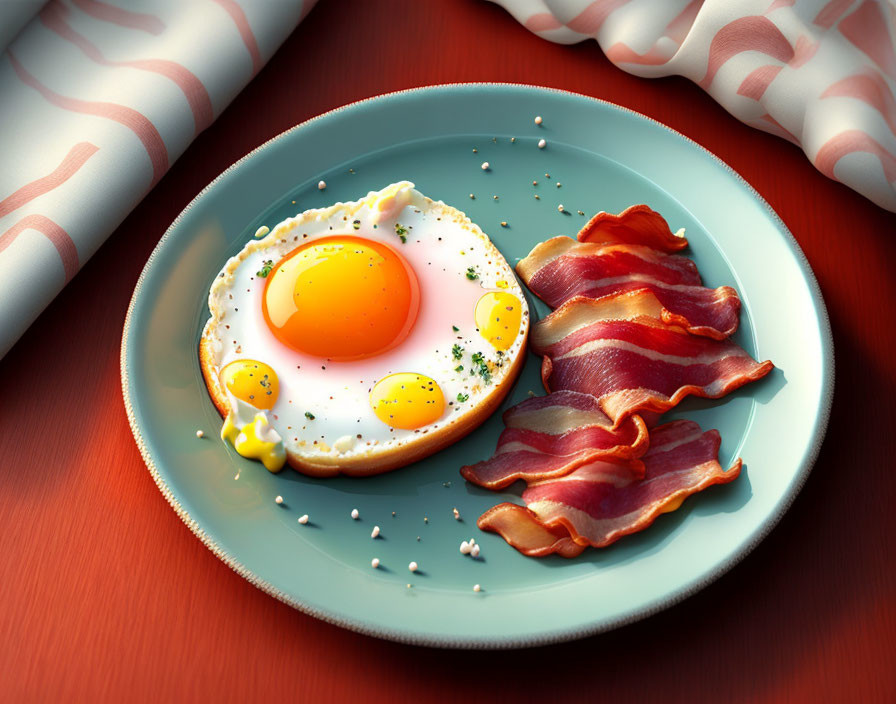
[(521, 528), (599, 503), (618, 350), (549, 436), (561, 268), (637, 224)]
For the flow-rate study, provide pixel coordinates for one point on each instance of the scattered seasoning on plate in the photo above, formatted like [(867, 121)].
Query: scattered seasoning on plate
[(375, 532), (425, 519), (560, 208), (355, 514), (464, 548), (262, 231), (513, 140), (375, 562), (279, 500), (472, 197), (503, 223), (535, 183), (413, 567), (321, 185), (477, 588), (456, 513), (495, 197), (474, 550), (393, 514), (485, 166), (475, 151), (538, 120), (580, 212), (542, 144), (200, 434), (537, 197), (559, 184), (303, 519), (446, 484)]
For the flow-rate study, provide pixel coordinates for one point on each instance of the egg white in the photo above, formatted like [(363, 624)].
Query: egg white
[(442, 243)]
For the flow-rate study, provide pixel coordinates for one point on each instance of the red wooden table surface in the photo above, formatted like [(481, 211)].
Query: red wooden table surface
[(107, 595)]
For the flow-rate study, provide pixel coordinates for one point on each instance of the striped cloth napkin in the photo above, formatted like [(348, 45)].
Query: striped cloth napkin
[(819, 73), (99, 99)]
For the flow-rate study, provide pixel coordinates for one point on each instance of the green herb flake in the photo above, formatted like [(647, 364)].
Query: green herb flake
[(471, 273), (459, 368), (455, 328), (265, 269), (457, 351), (356, 224), (402, 232), (309, 415), (463, 397)]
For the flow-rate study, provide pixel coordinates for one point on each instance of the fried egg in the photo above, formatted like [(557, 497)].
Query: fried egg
[(364, 336)]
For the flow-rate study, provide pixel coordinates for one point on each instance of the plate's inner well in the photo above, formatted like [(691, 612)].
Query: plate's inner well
[(424, 495)]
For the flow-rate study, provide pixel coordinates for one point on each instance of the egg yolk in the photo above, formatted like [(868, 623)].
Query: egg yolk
[(498, 315), (341, 298), (253, 382), (408, 401), (253, 442)]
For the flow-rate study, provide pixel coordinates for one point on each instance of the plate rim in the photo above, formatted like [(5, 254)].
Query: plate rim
[(546, 637)]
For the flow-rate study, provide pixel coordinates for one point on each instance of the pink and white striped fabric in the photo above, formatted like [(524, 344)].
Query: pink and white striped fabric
[(100, 97), (819, 73)]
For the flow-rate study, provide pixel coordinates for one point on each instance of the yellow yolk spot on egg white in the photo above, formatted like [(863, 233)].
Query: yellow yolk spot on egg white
[(498, 316), (253, 441), (252, 382), (407, 401)]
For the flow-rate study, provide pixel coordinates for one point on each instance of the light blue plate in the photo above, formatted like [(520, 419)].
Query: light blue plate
[(606, 158)]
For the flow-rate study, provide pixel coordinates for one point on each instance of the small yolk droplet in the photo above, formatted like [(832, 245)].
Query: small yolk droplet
[(252, 382), (408, 401), (498, 315), (673, 505)]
